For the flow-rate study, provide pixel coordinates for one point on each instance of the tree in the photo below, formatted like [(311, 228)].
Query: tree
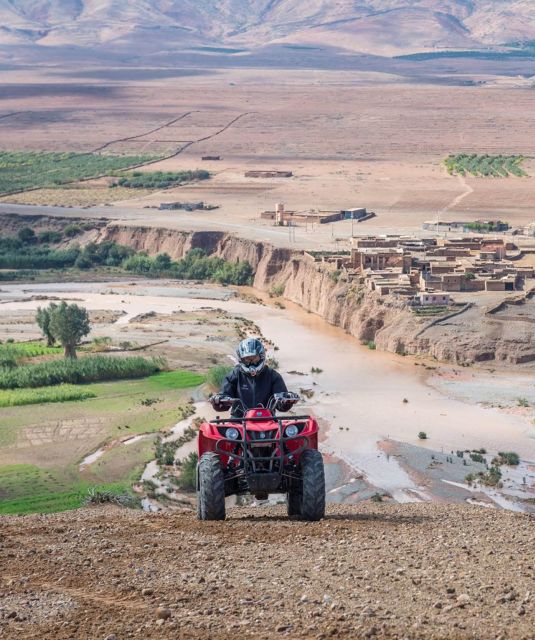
[(27, 235), (68, 324), (42, 317)]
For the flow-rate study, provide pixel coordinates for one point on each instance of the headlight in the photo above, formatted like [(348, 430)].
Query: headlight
[(291, 430), (232, 434)]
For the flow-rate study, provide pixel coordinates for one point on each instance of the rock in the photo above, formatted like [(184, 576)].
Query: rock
[(438, 605), (463, 600), (163, 613), (283, 627), (112, 636), (450, 589), (147, 591), (521, 611), (160, 621), (367, 612)]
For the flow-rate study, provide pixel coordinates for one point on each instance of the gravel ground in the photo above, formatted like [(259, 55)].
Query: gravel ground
[(372, 570)]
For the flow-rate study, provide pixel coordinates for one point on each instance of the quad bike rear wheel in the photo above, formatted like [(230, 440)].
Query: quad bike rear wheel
[(211, 488), (313, 479)]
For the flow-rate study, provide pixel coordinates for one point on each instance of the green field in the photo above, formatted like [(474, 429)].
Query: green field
[(35, 490), (22, 170), (41, 395), (41, 446), (485, 166)]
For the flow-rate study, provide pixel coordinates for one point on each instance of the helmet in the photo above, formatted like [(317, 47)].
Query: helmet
[(248, 349)]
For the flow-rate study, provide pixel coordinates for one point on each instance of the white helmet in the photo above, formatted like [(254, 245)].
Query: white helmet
[(247, 352)]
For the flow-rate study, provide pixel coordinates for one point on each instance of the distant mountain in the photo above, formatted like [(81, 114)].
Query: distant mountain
[(382, 27)]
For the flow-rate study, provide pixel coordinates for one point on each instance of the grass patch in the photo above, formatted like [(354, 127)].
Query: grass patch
[(174, 380), (61, 393), (22, 170), (87, 369), (28, 349), (485, 165)]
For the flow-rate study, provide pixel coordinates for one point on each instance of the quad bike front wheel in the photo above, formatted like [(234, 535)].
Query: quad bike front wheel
[(210, 488), (313, 481)]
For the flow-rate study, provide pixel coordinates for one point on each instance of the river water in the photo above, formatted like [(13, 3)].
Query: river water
[(360, 393)]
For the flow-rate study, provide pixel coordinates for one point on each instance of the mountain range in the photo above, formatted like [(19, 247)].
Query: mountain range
[(381, 27)]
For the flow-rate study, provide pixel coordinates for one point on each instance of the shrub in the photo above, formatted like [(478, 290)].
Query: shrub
[(276, 291), (187, 480), (371, 345), (522, 402), (101, 344), (72, 230), (27, 236), (509, 458), (477, 457), (422, 435), (216, 375), (105, 496)]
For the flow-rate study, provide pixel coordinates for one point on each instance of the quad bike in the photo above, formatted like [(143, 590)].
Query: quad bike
[(261, 453)]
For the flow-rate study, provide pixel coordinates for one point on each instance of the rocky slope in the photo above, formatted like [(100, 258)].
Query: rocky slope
[(372, 571), (381, 27), (472, 336)]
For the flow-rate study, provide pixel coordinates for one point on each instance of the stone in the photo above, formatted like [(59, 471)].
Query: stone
[(163, 613), (463, 600), (147, 591)]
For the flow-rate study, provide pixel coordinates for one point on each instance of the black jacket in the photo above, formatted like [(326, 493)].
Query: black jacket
[(252, 391)]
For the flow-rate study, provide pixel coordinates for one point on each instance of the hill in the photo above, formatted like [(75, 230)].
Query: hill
[(381, 27), (370, 571)]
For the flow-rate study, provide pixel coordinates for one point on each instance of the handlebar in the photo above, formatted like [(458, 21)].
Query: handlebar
[(283, 401)]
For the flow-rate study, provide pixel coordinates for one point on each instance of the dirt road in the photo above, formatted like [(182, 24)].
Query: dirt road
[(375, 570)]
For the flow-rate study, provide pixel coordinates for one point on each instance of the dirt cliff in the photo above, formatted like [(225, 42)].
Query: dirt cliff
[(466, 336), (415, 571)]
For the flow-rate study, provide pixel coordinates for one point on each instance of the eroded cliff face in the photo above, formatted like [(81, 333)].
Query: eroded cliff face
[(313, 285)]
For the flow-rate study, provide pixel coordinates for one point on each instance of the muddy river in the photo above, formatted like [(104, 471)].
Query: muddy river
[(364, 396)]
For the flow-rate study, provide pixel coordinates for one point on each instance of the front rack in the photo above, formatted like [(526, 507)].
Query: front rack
[(250, 461)]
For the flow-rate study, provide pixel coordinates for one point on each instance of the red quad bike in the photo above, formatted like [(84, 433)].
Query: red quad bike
[(261, 453)]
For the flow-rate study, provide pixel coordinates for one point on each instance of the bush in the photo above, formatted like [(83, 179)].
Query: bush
[(216, 375), (105, 496), (371, 345), (27, 236), (72, 230), (509, 458), (89, 369), (276, 291), (422, 435), (477, 457), (187, 480)]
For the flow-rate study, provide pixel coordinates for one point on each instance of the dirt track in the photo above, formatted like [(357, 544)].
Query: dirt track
[(375, 570)]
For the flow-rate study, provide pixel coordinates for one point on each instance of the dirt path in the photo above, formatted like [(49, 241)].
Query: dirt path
[(458, 199), (423, 571)]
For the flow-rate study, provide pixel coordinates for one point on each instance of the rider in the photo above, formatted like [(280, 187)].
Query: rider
[(251, 380)]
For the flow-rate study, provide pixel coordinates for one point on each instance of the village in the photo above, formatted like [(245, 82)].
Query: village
[(427, 271)]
